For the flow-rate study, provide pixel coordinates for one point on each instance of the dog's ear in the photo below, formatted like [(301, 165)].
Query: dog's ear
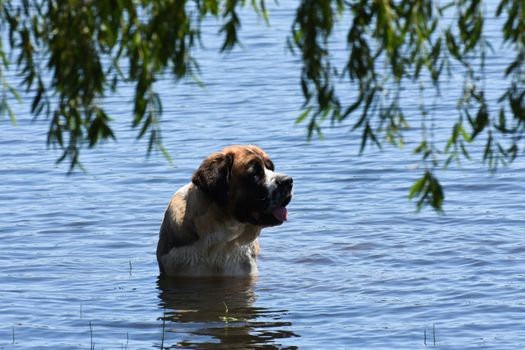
[(213, 176)]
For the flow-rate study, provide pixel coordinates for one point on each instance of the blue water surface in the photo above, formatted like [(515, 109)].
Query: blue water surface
[(355, 267)]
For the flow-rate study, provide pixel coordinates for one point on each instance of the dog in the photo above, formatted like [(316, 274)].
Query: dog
[(211, 225)]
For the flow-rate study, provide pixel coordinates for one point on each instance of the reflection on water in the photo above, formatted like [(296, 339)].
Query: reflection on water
[(219, 313)]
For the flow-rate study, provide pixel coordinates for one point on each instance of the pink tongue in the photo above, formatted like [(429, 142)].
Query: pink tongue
[(280, 214)]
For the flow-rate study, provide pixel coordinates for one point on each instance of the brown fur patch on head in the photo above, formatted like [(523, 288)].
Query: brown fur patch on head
[(263, 156)]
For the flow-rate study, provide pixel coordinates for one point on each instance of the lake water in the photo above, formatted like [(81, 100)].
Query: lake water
[(355, 267)]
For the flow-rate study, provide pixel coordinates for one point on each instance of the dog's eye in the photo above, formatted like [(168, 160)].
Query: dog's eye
[(256, 169)]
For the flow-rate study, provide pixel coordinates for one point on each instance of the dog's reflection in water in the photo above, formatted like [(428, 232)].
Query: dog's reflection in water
[(219, 313)]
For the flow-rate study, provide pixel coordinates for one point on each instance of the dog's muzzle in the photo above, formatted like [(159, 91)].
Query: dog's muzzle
[(281, 197)]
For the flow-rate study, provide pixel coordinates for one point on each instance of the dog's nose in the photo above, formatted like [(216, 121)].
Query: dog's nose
[(285, 182)]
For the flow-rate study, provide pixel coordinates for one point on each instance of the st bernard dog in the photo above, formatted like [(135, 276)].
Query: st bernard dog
[(211, 225)]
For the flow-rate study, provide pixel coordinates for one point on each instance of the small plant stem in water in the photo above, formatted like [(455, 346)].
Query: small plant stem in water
[(163, 330), (92, 345)]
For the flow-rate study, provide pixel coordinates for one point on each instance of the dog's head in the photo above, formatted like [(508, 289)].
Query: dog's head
[(243, 180)]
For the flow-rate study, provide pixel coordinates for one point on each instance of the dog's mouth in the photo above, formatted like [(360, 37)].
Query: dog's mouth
[(273, 217), (280, 213)]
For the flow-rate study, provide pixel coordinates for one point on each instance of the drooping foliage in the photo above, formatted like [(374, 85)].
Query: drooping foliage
[(395, 43), (89, 47), (71, 54)]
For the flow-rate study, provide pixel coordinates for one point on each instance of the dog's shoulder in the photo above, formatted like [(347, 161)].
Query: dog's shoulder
[(177, 228)]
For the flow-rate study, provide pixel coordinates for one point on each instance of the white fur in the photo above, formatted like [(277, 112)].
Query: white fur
[(272, 186), (217, 253)]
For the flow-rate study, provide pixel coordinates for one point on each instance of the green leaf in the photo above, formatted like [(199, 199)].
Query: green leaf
[(429, 191), (417, 187), (165, 153), (303, 115)]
